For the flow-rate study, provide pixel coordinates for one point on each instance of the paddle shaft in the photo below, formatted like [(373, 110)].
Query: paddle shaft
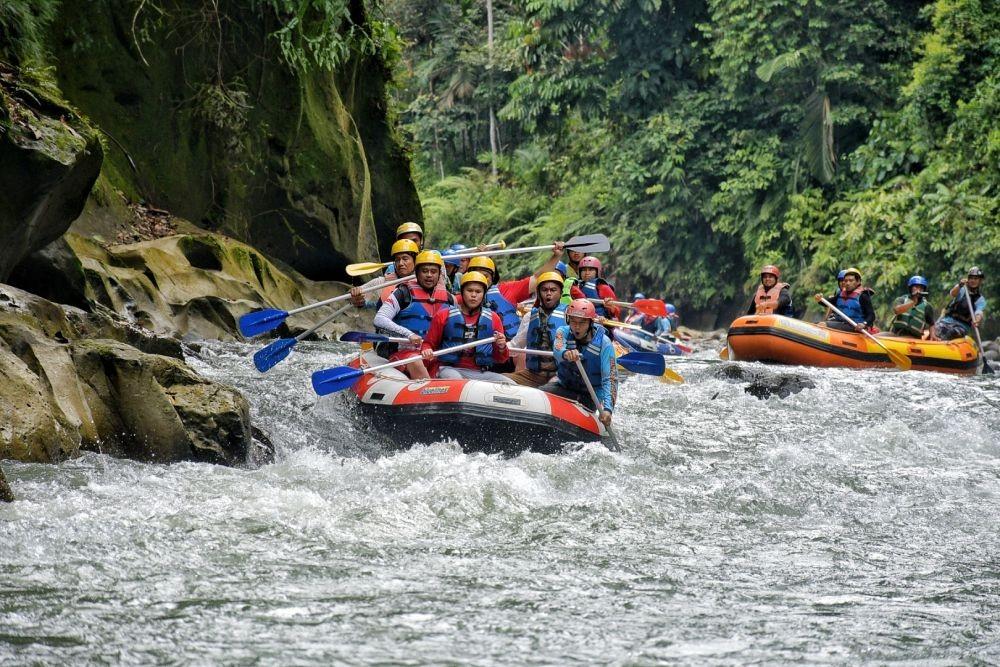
[(623, 304), (844, 317), (337, 313), (436, 353), (975, 327), (344, 297), (501, 252)]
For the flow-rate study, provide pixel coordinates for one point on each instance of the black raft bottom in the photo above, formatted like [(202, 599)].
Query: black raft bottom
[(475, 428)]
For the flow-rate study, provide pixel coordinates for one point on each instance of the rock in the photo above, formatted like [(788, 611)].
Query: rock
[(6, 495), (992, 355), (763, 384), (54, 273), (105, 395), (991, 345), (49, 159)]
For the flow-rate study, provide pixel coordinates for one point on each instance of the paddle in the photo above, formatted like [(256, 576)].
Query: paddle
[(901, 361), (268, 357), (651, 307), (341, 377), (598, 409), (364, 268), (260, 321), (366, 337), (590, 243), (644, 363), (986, 365), (724, 353)]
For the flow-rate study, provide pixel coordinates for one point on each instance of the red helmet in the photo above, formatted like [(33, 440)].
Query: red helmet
[(589, 262), (581, 308), (772, 269)]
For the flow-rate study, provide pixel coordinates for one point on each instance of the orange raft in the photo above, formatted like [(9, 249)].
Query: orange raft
[(785, 340)]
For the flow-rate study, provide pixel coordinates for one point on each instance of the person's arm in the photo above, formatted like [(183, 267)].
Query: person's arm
[(954, 291), (515, 291), (979, 309), (867, 309), (902, 305), (432, 340), (500, 353), (609, 378), (605, 292), (384, 319), (663, 326), (521, 337), (550, 263), (784, 299), (559, 344)]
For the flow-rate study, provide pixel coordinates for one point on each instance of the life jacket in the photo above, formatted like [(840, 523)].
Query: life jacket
[(541, 337), (505, 309), (766, 301), (849, 304), (567, 286), (590, 356), (648, 324), (417, 307), (457, 332), (913, 321), (958, 308), (590, 290)]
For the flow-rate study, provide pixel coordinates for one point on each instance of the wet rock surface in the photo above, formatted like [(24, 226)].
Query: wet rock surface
[(764, 384)]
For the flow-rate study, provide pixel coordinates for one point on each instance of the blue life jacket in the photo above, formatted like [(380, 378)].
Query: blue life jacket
[(505, 309), (849, 303), (590, 290), (590, 356), (556, 319), (417, 307), (456, 332)]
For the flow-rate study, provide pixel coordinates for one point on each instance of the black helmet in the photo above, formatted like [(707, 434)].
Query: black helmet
[(975, 272)]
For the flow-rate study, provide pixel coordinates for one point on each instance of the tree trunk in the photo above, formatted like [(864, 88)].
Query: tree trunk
[(493, 117)]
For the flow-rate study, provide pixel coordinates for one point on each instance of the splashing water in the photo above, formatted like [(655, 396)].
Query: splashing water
[(852, 522)]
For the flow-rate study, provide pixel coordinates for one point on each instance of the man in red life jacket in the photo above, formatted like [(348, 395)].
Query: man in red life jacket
[(593, 286), (771, 296), (408, 310), (467, 321)]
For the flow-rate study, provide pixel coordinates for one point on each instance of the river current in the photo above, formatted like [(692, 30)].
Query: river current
[(853, 522)]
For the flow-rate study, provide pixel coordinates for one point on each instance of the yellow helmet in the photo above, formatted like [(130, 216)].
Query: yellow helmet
[(550, 277), (475, 277), (481, 262), (409, 228), (853, 270), (430, 257), (404, 245)]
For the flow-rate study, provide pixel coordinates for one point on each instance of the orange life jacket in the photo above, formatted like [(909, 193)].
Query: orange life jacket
[(765, 301)]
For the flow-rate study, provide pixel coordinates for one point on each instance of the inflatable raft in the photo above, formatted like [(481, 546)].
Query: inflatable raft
[(635, 341), (785, 340), (481, 416)]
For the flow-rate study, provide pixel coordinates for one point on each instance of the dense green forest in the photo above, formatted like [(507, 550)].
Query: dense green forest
[(707, 137)]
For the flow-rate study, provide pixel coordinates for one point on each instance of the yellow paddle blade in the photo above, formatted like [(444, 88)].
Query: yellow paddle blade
[(901, 361), (672, 377), (724, 353), (364, 268)]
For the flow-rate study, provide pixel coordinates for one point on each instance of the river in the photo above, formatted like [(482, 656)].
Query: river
[(854, 522)]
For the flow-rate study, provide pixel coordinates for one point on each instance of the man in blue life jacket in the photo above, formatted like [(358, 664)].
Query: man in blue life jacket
[(538, 331), (771, 296), (855, 301), (584, 340), (914, 314), (408, 310), (958, 320)]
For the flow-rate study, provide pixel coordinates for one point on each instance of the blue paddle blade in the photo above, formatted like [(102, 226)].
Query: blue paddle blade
[(363, 337), (646, 363), (268, 357), (334, 379), (260, 321)]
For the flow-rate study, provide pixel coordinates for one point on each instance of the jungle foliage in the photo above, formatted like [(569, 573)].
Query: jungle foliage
[(708, 137)]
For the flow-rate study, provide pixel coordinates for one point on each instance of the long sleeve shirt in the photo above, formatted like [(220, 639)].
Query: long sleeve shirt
[(385, 321), (607, 392), (467, 358)]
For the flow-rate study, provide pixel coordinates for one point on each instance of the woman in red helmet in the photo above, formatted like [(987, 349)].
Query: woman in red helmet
[(584, 340), (593, 286), (771, 297)]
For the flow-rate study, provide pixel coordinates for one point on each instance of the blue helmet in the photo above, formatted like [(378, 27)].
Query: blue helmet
[(841, 275), (449, 260), (671, 310), (457, 247), (917, 280), (562, 268), (638, 295)]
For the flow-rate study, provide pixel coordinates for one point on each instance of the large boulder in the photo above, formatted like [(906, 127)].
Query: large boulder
[(6, 495), (65, 392), (49, 159), (221, 129), (761, 383)]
